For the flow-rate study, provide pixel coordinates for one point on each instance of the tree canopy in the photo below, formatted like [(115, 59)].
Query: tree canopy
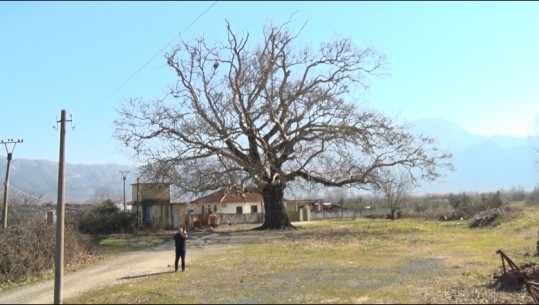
[(257, 118)]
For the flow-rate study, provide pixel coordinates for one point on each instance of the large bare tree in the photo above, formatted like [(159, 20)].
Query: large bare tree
[(267, 115)]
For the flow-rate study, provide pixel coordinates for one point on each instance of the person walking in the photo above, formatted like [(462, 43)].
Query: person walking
[(179, 239)]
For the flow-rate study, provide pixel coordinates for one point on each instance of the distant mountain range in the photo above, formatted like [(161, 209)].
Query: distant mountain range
[(483, 164), (39, 179)]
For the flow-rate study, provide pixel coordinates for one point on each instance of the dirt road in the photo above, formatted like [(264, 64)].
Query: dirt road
[(158, 259)]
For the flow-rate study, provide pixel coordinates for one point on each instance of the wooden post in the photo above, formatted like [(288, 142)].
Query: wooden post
[(60, 223)]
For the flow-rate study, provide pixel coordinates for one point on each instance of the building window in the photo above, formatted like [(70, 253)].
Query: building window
[(215, 208), (254, 209), (239, 210)]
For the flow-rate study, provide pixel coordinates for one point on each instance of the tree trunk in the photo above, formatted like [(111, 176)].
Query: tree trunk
[(393, 214), (275, 216)]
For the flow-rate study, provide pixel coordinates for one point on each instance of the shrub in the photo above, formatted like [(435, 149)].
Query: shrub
[(517, 193), (492, 200), (107, 218), (29, 247), (461, 203), (533, 196), (420, 206), (465, 205)]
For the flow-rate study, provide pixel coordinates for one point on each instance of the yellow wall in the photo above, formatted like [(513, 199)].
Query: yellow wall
[(150, 191), (157, 197)]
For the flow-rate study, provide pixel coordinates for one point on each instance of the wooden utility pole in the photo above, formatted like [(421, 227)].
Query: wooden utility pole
[(124, 174), (60, 210), (138, 202), (6, 184)]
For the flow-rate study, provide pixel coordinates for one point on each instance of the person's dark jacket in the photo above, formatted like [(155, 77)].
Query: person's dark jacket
[(180, 241)]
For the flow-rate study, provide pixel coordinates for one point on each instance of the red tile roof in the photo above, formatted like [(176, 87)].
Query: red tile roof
[(222, 197)]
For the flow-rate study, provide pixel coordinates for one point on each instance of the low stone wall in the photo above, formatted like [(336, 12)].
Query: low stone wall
[(319, 215)]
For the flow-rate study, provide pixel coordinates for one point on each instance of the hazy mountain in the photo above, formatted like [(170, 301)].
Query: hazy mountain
[(452, 136), (483, 164), (39, 178)]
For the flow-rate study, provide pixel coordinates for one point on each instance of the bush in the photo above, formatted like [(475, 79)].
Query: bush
[(420, 206), (533, 196), (29, 247), (467, 206), (517, 193), (461, 204), (107, 218)]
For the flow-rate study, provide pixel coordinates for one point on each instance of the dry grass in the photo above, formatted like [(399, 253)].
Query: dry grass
[(348, 261)]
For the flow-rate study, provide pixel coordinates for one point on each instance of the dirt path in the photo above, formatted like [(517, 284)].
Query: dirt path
[(158, 259)]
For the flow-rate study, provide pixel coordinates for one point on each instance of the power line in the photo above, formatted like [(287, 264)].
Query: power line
[(23, 192), (140, 69), (146, 63)]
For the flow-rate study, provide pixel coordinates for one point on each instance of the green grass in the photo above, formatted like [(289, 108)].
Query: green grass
[(347, 261), (120, 243)]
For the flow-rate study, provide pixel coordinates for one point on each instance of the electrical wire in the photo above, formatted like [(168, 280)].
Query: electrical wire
[(145, 64), (11, 187), (78, 124)]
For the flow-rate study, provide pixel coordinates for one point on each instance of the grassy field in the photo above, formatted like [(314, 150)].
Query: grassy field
[(349, 261), (117, 244)]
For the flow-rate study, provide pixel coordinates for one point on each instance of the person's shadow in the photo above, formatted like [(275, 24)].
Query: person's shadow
[(144, 275)]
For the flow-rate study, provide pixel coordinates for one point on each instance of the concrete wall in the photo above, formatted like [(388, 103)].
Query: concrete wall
[(229, 208), (224, 219), (318, 215), (162, 215), (181, 209)]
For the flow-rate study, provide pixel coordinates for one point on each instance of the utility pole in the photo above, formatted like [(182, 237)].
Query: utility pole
[(124, 174), (60, 209), (6, 184), (138, 202)]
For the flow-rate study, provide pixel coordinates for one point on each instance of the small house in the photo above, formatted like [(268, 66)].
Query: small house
[(225, 207)]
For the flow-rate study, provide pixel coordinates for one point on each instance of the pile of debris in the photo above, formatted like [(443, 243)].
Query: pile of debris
[(485, 218), (514, 277)]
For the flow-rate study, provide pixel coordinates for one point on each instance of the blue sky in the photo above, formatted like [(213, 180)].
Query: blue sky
[(472, 63)]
